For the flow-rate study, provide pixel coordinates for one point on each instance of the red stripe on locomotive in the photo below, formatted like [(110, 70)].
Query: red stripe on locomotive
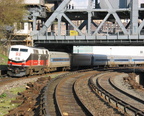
[(29, 63)]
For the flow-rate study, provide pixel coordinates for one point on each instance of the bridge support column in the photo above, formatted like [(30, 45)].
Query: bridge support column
[(34, 21), (134, 17), (90, 5), (59, 24)]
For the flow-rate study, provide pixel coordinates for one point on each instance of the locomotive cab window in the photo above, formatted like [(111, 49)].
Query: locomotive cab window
[(24, 50), (14, 49)]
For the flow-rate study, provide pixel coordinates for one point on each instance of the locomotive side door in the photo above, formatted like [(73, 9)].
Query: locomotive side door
[(34, 58), (31, 58), (39, 59), (46, 58)]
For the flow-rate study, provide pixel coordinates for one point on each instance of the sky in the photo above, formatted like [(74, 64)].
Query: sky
[(141, 0), (84, 3), (79, 3)]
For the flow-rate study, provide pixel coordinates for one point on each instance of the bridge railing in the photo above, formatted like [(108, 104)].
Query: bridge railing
[(107, 31), (75, 36)]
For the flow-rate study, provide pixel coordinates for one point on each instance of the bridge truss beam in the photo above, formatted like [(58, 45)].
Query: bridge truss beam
[(87, 30)]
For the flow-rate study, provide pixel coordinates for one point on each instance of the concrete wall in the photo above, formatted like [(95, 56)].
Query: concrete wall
[(119, 50), (110, 50), (83, 49), (116, 4)]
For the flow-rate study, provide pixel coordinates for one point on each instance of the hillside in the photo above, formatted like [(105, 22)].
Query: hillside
[(3, 59), (3, 63)]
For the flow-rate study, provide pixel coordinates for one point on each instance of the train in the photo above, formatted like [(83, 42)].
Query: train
[(24, 60)]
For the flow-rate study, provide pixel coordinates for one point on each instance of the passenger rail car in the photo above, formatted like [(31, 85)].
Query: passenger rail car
[(117, 60), (101, 60), (25, 60), (82, 60), (59, 60)]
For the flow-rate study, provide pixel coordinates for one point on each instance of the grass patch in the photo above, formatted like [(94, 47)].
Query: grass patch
[(5, 105), (2, 56), (4, 59), (3, 95), (7, 97), (16, 90)]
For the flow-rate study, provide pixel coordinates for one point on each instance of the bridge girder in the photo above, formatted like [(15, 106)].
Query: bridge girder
[(63, 13)]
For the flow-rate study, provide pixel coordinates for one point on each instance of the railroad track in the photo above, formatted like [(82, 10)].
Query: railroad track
[(61, 98), (103, 85), (47, 106), (66, 98), (84, 92), (69, 94)]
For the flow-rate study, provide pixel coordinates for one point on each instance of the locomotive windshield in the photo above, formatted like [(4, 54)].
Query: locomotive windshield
[(14, 49), (23, 50)]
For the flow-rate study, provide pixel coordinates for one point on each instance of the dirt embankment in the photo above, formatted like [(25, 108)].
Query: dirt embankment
[(132, 82), (29, 99)]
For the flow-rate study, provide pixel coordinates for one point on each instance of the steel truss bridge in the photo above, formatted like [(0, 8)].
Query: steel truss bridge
[(92, 25)]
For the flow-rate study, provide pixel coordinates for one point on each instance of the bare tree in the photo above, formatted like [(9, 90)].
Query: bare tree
[(11, 11)]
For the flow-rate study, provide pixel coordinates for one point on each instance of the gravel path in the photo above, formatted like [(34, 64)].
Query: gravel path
[(21, 82), (17, 83)]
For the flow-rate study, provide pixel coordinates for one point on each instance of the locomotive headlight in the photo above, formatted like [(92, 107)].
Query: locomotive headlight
[(17, 58)]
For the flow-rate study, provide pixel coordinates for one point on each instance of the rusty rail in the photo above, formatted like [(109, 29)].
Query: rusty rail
[(112, 99)]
